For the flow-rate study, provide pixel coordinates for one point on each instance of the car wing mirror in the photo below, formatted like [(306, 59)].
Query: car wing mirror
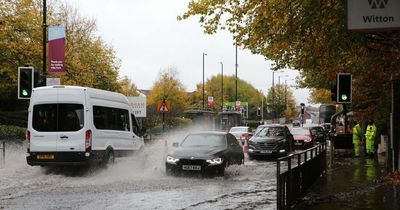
[(175, 144)]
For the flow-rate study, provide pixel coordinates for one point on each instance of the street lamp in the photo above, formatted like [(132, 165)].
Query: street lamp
[(222, 86), (204, 54), (273, 94)]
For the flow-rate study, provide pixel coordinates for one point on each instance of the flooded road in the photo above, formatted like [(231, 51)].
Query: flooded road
[(136, 182)]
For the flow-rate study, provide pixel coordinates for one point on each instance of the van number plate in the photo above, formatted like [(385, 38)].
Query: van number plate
[(45, 156), (191, 167)]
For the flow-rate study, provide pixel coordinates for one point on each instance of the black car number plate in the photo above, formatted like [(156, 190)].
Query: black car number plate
[(191, 167)]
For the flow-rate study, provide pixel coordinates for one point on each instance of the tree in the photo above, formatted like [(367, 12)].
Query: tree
[(89, 61), (281, 102), (127, 87), (310, 36), (246, 93), (167, 87), (320, 96)]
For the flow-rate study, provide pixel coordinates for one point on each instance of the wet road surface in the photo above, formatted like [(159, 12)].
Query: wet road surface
[(137, 182)]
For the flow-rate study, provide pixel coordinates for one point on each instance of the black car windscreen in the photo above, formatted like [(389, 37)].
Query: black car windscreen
[(208, 140), (271, 132), (58, 117)]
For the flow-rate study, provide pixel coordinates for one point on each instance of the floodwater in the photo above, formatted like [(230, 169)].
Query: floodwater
[(136, 182)]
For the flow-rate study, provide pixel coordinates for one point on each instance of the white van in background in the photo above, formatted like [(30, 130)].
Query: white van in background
[(71, 125)]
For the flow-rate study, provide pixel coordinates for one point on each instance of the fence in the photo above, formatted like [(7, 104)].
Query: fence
[(309, 165), (3, 154)]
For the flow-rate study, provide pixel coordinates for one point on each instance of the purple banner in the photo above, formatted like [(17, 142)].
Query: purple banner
[(56, 49)]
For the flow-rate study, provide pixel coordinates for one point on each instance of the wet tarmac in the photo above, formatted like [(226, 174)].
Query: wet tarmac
[(353, 183)]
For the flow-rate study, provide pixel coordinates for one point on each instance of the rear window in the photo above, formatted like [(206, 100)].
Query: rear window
[(238, 129), (301, 132), (57, 117)]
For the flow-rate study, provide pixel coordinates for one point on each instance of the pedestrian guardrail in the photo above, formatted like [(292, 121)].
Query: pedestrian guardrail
[(297, 172), (3, 153)]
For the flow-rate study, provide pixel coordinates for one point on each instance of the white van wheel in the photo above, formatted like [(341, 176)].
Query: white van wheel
[(110, 158)]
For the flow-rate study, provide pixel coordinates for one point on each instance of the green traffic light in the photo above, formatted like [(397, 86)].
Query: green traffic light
[(343, 97), (24, 92)]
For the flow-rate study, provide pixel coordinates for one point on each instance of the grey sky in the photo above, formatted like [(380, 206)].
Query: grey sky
[(147, 38)]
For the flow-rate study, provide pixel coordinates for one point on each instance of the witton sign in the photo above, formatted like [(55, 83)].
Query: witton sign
[(373, 15)]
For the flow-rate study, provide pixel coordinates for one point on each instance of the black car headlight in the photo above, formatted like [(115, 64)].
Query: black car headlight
[(215, 161), (172, 160)]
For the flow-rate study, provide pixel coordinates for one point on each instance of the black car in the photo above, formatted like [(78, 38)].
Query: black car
[(204, 152), (319, 133), (270, 140)]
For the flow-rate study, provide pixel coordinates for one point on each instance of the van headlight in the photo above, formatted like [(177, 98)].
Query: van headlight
[(215, 161), (172, 160)]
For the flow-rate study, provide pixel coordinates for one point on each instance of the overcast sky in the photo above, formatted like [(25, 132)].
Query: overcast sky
[(147, 37)]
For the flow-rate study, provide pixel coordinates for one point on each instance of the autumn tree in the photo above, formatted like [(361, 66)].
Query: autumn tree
[(168, 87), (281, 102), (320, 96), (127, 87), (310, 36), (89, 60)]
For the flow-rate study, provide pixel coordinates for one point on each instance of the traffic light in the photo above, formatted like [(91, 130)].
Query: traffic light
[(258, 111), (343, 88), (25, 82), (302, 107)]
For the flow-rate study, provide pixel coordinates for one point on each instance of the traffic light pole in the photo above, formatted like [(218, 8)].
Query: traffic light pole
[(395, 126), (44, 28)]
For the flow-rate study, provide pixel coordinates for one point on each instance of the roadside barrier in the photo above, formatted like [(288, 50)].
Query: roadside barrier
[(3, 149), (292, 183)]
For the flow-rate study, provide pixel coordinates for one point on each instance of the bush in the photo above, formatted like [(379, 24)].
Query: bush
[(9, 132)]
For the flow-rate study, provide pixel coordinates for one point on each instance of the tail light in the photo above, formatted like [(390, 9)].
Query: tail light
[(245, 136), (88, 141), (28, 140)]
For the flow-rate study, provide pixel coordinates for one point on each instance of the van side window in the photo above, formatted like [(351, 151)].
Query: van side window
[(108, 118), (135, 125), (58, 117)]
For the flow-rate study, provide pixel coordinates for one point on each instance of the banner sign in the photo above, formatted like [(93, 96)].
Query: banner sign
[(138, 105), (373, 15), (231, 106), (56, 49)]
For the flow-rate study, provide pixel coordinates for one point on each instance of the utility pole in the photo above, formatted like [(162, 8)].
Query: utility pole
[(222, 87), (44, 28), (236, 66), (204, 54)]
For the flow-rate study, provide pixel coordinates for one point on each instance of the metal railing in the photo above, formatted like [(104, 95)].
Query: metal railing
[(3, 155), (302, 170)]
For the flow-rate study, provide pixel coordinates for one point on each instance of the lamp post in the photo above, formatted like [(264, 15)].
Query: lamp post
[(279, 96), (236, 66), (222, 86), (204, 54), (273, 95), (44, 40)]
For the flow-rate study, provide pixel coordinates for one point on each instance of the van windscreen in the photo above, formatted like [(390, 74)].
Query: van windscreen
[(58, 117)]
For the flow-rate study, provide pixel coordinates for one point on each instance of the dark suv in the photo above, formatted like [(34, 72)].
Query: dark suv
[(270, 140)]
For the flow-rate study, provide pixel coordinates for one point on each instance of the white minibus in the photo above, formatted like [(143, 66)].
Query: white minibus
[(71, 125)]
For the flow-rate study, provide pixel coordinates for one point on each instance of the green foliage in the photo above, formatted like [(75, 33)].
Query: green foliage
[(8, 132), (246, 93), (281, 102)]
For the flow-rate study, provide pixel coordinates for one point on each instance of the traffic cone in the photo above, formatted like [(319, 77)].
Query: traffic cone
[(246, 146)]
